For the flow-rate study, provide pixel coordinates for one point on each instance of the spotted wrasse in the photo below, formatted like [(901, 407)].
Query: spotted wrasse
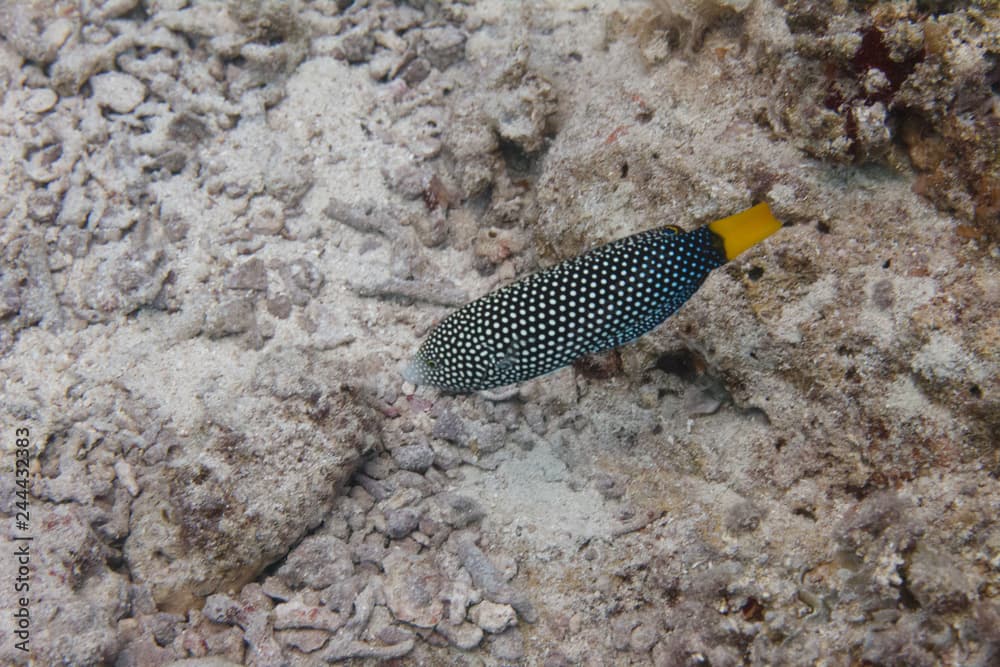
[(602, 299)]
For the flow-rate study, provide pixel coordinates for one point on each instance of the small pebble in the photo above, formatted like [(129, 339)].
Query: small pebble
[(450, 427), (412, 588), (229, 318), (459, 511), (120, 92), (431, 229), (447, 458), (535, 418), (698, 401), (743, 517), (401, 522), (443, 46), (298, 614), (250, 275), (488, 438), (492, 617), (556, 659), (42, 206), (306, 641), (357, 45), (643, 637), (379, 468), (465, 636), (416, 458), (415, 71), (40, 100), (406, 177), (374, 487), (508, 646), (127, 477), (608, 486), (318, 561), (265, 216), (302, 279), (411, 485)]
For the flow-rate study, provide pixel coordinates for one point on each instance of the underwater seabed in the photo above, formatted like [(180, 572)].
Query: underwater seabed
[(227, 227)]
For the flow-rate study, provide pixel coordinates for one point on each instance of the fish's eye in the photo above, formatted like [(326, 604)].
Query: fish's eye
[(504, 362)]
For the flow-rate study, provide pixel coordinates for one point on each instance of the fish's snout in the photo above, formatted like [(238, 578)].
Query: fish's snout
[(414, 372)]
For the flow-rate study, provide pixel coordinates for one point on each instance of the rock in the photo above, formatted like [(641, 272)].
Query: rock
[(365, 216), (212, 517), (492, 617), (488, 438), (374, 487), (556, 659), (251, 162), (251, 613), (297, 614), (407, 177), (378, 468), (250, 275), (486, 578), (143, 651), (465, 636), (609, 486), (126, 476), (431, 229), (415, 71), (306, 641), (36, 30), (621, 628), (43, 206), (344, 648), (642, 637), (699, 401), (78, 62), (938, 581), (40, 100), (401, 522), (412, 585), (443, 46), (402, 17), (319, 561), (231, 317), (76, 206), (496, 246), (73, 590), (302, 280), (115, 279), (743, 517), (459, 511), (120, 92), (416, 458), (508, 646), (265, 215), (279, 306), (356, 45), (100, 12), (450, 427)]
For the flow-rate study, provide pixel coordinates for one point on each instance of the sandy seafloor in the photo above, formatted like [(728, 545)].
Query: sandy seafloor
[(226, 226)]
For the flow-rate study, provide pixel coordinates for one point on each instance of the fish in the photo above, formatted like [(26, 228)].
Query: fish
[(600, 300)]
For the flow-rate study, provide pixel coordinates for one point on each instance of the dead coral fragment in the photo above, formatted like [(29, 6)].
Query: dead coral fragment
[(667, 25), (861, 83)]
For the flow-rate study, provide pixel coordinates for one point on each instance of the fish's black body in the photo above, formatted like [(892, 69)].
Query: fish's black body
[(591, 303)]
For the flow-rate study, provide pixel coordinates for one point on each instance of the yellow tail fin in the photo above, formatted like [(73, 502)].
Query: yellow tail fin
[(739, 232)]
